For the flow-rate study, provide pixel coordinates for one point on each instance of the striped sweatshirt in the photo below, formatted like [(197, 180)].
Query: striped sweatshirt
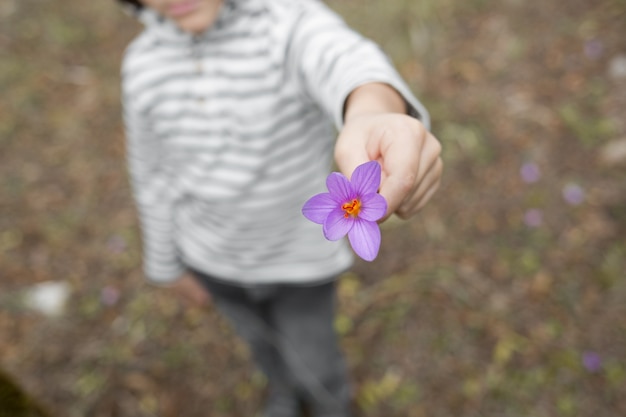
[(231, 131)]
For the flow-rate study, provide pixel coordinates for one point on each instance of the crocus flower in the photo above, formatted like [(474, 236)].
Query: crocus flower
[(573, 194), (533, 217), (594, 49), (351, 207), (109, 295), (530, 172), (117, 244), (592, 361)]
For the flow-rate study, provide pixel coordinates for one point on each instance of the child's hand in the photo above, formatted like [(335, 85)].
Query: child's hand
[(407, 152), (191, 291)]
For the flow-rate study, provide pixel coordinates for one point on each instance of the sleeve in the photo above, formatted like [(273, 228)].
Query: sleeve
[(151, 188), (331, 60)]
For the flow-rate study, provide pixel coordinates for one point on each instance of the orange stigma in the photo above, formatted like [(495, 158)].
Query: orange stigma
[(351, 208)]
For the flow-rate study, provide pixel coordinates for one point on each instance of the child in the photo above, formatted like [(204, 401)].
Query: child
[(231, 108)]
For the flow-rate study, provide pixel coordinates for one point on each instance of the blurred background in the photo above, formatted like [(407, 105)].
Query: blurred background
[(506, 296)]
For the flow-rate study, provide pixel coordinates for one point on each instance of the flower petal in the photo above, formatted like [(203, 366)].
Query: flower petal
[(365, 239), (373, 207), (337, 225), (318, 207), (339, 187), (366, 178)]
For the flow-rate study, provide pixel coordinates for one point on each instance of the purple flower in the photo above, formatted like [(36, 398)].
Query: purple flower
[(109, 295), (594, 49), (573, 194), (533, 218), (592, 361), (116, 244), (351, 207), (530, 172)]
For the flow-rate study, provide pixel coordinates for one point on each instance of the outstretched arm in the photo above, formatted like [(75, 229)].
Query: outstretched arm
[(377, 127)]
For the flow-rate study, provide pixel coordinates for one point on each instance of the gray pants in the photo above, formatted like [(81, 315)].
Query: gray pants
[(289, 329)]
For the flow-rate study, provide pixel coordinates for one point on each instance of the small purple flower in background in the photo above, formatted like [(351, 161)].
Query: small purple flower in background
[(109, 295), (573, 194), (116, 244), (530, 172), (533, 218), (592, 361), (594, 49), (351, 207)]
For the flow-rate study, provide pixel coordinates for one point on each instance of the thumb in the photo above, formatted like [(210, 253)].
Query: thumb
[(351, 148), (394, 188)]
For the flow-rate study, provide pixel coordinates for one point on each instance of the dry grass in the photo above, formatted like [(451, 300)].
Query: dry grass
[(498, 300)]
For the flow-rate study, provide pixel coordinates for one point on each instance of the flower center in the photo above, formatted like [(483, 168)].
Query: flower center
[(351, 208)]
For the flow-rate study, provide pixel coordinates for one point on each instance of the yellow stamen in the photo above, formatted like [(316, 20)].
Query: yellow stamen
[(351, 208)]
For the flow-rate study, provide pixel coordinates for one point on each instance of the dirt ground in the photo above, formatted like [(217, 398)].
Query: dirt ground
[(506, 296)]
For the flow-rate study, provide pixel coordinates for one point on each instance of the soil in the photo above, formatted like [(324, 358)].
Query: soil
[(505, 296)]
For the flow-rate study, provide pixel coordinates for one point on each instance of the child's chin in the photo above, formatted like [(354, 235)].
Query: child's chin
[(194, 24)]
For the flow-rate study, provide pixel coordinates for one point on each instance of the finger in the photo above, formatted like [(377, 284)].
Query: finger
[(401, 164), (348, 156), (430, 165), (431, 155), (418, 198), (427, 196), (426, 189)]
